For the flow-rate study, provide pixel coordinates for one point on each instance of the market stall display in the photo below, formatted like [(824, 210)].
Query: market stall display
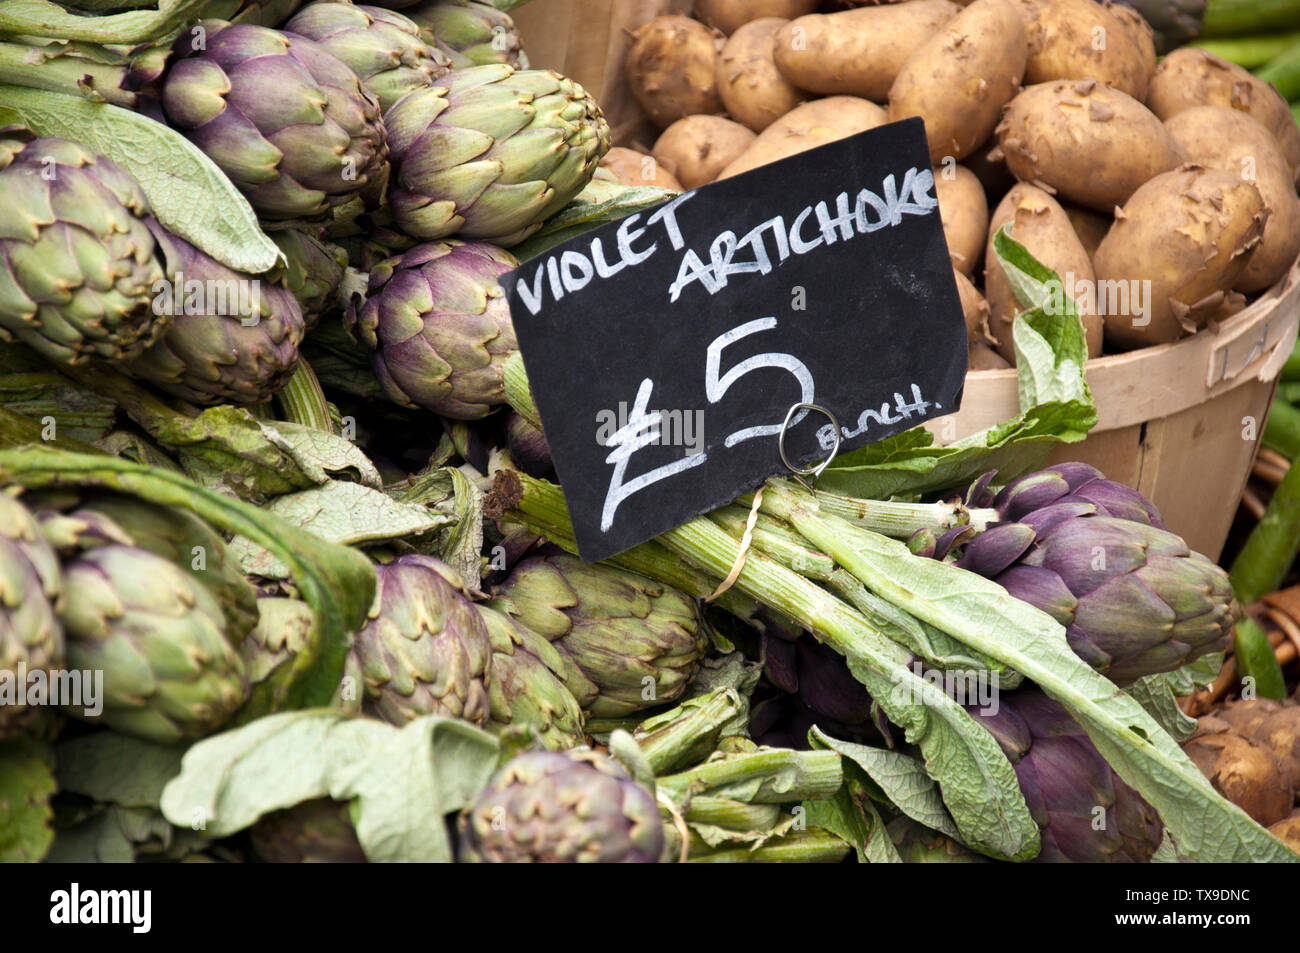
[(282, 534)]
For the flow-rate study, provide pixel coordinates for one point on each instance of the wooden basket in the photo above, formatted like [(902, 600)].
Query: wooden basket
[(1180, 422)]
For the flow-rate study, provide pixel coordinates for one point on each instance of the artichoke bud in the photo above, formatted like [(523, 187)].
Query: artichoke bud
[(234, 337), (439, 324), (313, 271), (31, 594), (491, 153), (574, 806), (79, 265), (424, 649), (640, 642), (287, 122), (383, 47), (170, 673), (1084, 812), (469, 32), (1095, 555)]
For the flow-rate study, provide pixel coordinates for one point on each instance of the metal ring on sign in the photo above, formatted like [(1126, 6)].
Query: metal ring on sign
[(813, 471)]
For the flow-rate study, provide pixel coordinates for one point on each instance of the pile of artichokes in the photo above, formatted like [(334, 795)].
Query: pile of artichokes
[(279, 529)]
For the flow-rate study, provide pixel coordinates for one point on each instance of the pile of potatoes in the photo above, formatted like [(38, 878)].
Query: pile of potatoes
[(1250, 752), (1051, 116)]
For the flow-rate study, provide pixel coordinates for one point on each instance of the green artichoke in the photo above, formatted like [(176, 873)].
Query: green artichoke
[(1084, 812), (920, 845), (314, 832), (289, 124), (470, 33), (527, 686), (234, 339), (381, 46), (80, 269), (574, 806), (491, 153), (258, 12), (640, 642), (159, 637), (425, 649), (440, 327), (31, 638), (285, 627), (175, 534), (312, 273), (1134, 599)]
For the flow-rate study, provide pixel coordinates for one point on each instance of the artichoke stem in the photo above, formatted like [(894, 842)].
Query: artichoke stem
[(31, 67), (688, 733), (783, 776), (302, 400), (813, 846)]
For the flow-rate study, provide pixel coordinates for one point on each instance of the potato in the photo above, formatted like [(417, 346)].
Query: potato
[(636, 168), (1178, 245), (990, 168), (1089, 143), (696, 149), (1280, 731), (1079, 39), (1234, 141), (981, 357), (1287, 831), (1245, 772), (752, 88), (857, 52), (959, 79), (1190, 77), (1139, 32), (729, 15), (807, 127), (965, 214), (974, 310), (1244, 716), (1089, 226), (1040, 224), (672, 69)]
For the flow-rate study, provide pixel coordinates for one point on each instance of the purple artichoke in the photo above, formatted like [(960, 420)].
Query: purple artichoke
[(424, 650), (440, 327), (233, 339), (1093, 554), (574, 806), (289, 124), (1084, 812)]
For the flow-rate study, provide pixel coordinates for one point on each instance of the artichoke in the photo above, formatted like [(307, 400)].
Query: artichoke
[(285, 627), (170, 671), (289, 124), (314, 832), (381, 46), (234, 338), (1084, 812), (80, 269), (638, 641), (31, 638), (528, 447), (491, 153), (1093, 554), (574, 806), (920, 845), (425, 650), (259, 12), (527, 686), (312, 273), (470, 33), (439, 324)]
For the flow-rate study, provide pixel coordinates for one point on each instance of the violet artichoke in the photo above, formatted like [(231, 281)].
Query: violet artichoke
[(491, 153), (439, 324), (1093, 554), (637, 640), (425, 650), (574, 806), (79, 268), (289, 124)]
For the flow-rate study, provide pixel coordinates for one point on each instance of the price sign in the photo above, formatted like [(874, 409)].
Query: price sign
[(665, 350)]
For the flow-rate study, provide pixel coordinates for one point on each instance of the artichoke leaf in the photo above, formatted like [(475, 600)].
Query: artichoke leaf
[(851, 816), (117, 769), (189, 194), (900, 777)]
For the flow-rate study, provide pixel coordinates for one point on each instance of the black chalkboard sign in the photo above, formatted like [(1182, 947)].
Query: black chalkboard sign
[(664, 350)]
